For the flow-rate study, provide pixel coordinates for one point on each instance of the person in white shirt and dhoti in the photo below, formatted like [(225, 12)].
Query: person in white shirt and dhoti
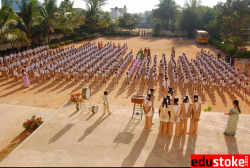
[(165, 85), (105, 103)]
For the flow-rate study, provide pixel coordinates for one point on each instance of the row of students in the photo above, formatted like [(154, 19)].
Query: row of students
[(64, 63), (172, 113)]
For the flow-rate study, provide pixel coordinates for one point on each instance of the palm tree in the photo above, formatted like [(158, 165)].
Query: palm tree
[(29, 17), (50, 17), (70, 19), (93, 13), (8, 22), (167, 10), (194, 4)]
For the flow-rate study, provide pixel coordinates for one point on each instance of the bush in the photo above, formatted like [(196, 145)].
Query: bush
[(62, 43), (57, 45), (243, 54), (52, 46), (208, 109), (226, 48), (122, 33), (33, 123), (76, 39), (68, 41), (156, 34)]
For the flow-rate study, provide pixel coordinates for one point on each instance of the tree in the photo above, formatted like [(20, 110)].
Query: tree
[(93, 14), (108, 17), (167, 11), (8, 22), (207, 15), (190, 17), (234, 22), (50, 17), (70, 19), (29, 17), (128, 21)]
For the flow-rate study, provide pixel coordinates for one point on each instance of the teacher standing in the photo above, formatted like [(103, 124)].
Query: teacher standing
[(26, 81), (233, 119)]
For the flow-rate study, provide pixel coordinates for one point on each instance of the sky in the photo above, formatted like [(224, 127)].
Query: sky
[(138, 6)]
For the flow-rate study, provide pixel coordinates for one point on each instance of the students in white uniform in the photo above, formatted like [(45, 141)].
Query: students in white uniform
[(175, 112), (15, 74), (165, 86), (185, 114), (164, 117)]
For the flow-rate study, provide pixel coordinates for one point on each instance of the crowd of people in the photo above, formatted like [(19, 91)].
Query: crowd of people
[(174, 112), (82, 63)]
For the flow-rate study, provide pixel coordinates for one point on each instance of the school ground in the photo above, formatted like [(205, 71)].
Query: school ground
[(79, 138), (54, 94), (82, 139)]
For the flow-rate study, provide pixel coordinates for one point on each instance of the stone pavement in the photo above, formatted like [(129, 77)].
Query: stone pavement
[(72, 138), (12, 118)]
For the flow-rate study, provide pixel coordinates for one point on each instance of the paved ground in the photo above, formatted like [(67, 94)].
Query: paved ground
[(72, 138), (12, 118)]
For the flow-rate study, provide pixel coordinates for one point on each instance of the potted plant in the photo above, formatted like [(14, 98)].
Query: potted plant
[(33, 123)]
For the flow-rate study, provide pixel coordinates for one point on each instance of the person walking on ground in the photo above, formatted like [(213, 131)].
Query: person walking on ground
[(144, 32), (181, 40), (26, 81), (106, 103), (233, 119)]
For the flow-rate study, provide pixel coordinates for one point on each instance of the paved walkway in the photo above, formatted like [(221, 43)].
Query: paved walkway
[(12, 118), (72, 138)]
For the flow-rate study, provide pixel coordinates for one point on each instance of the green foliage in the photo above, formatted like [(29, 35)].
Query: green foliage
[(226, 48), (189, 20), (76, 39), (207, 15), (242, 54), (107, 17), (52, 46), (57, 45), (62, 43), (128, 21), (121, 33), (167, 11), (157, 28), (68, 41), (95, 17), (156, 34), (8, 23), (208, 109)]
